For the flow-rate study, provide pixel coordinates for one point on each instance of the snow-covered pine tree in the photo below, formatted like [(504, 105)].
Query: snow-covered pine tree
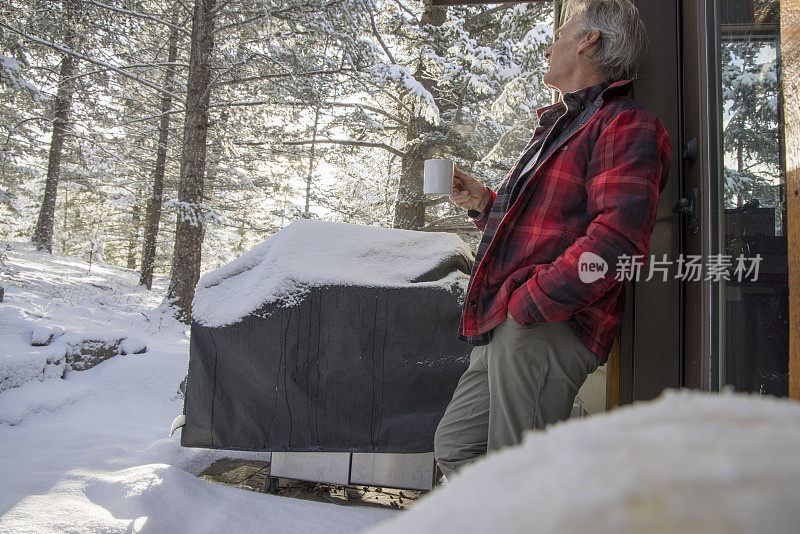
[(750, 96)]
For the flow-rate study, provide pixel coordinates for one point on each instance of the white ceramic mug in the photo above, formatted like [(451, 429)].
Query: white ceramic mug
[(438, 177)]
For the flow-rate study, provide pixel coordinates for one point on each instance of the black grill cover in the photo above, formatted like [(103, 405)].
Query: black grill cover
[(348, 369)]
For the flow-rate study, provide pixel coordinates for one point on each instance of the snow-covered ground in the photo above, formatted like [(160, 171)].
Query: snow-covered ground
[(91, 452)]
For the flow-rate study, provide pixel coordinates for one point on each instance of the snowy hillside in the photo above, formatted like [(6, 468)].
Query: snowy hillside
[(89, 452)]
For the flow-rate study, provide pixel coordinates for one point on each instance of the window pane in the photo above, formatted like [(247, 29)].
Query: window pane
[(753, 189)]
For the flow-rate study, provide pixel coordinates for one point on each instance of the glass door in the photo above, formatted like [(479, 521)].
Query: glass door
[(752, 261)]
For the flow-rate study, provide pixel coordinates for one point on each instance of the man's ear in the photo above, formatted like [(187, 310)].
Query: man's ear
[(589, 43)]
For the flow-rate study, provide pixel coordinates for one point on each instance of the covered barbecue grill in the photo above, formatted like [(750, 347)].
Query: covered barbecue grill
[(329, 338)]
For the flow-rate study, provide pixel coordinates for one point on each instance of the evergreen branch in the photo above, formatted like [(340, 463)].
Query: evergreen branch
[(73, 53), (15, 128), (136, 14), (222, 5), (382, 90), (483, 14), (129, 66), (284, 75)]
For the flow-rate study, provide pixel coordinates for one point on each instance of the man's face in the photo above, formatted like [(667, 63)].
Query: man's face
[(563, 53)]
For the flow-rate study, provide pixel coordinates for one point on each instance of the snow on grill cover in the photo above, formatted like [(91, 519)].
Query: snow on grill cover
[(328, 337)]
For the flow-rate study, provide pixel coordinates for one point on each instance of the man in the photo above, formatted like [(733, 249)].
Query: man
[(583, 192)]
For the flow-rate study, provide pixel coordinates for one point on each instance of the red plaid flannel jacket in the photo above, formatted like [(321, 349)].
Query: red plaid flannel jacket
[(596, 192)]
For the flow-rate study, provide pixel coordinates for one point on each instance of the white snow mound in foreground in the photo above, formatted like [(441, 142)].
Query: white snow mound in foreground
[(159, 498), (309, 254), (687, 462)]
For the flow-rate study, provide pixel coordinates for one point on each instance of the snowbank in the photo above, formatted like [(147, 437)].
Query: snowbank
[(21, 362), (89, 452), (314, 254), (687, 462), (160, 498)]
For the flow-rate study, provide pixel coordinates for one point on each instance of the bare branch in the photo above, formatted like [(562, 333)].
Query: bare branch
[(352, 105), (378, 34), (185, 7), (344, 142), (457, 117), (405, 8)]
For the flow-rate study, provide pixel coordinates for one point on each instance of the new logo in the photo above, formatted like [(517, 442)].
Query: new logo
[(591, 267)]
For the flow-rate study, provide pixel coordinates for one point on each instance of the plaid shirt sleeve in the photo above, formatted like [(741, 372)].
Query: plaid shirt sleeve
[(480, 220), (627, 171)]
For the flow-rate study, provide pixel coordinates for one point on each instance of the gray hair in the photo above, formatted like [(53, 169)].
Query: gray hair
[(622, 46)]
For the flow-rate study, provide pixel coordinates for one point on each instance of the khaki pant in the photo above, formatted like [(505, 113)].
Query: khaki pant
[(526, 377)]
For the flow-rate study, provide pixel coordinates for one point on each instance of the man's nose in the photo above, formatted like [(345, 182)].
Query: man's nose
[(547, 52)]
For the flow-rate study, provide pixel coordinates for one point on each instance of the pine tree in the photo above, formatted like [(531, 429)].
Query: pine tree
[(154, 205), (189, 229), (43, 235), (750, 96)]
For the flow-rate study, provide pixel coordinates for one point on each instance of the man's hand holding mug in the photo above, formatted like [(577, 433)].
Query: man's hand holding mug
[(468, 193)]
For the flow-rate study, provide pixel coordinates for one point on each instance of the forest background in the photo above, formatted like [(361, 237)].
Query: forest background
[(172, 136)]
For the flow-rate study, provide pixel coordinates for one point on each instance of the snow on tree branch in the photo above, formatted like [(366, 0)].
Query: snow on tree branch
[(137, 14), (69, 51), (10, 75), (400, 75)]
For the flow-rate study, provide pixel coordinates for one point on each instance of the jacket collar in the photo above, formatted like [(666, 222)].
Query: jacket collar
[(621, 87)]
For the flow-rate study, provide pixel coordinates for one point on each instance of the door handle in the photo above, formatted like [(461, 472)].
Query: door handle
[(690, 151), (689, 207)]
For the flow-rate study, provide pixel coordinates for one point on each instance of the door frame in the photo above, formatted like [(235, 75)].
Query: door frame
[(703, 300), (651, 341)]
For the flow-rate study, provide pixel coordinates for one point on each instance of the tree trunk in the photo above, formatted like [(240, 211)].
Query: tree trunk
[(43, 235), (311, 162), (189, 229), (215, 153), (133, 244), (409, 208), (156, 199)]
